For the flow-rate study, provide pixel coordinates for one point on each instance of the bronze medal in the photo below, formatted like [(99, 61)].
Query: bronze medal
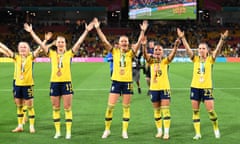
[(21, 77), (201, 79), (122, 71), (59, 73)]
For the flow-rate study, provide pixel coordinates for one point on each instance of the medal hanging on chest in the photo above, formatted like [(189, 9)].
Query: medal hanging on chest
[(202, 72), (23, 63), (60, 64), (122, 63)]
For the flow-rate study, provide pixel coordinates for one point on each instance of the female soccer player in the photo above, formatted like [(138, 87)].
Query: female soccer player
[(61, 82), (23, 86), (121, 77), (201, 87), (160, 86)]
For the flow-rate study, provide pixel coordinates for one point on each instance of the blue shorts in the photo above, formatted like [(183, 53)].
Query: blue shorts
[(61, 88), (158, 95), (122, 87), (201, 94), (14, 85), (23, 92)]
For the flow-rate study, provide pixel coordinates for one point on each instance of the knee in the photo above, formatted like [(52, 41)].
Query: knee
[(212, 115), (126, 105), (111, 106), (67, 106)]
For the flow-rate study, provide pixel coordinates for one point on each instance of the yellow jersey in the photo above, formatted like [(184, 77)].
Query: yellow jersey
[(24, 70), (159, 74), (202, 72), (122, 65), (15, 70), (61, 66)]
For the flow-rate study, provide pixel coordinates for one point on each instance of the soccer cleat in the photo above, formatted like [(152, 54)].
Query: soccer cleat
[(217, 134), (158, 135), (197, 137), (139, 90), (106, 133), (124, 135), (32, 130), (57, 136), (17, 129), (68, 136), (166, 136)]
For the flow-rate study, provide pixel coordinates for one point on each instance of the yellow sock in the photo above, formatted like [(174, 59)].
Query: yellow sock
[(25, 113), (108, 116), (126, 117), (166, 118), (56, 119), (68, 120), (213, 117), (31, 115), (196, 121), (158, 118), (20, 115)]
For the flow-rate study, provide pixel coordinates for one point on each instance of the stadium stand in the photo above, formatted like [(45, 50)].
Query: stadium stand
[(161, 32)]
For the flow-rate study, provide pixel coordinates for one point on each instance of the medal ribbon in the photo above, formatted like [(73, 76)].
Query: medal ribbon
[(122, 59), (23, 63), (60, 64), (202, 68), (156, 67)]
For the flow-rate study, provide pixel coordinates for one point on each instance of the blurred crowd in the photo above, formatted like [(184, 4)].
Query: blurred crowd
[(164, 34), (48, 3)]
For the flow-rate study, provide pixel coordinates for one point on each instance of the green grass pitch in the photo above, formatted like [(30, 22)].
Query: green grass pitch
[(91, 83), (169, 15)]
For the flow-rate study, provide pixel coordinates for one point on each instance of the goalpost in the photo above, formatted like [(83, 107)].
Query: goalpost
[(181, 55), (134, 13)]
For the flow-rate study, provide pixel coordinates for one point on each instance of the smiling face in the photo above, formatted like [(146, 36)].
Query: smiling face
[(158, 51), (23, 48), (203, 50), (61, 44), (123, 43)]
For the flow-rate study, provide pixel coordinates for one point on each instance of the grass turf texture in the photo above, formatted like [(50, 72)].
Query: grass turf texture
[(91, 83), (169, 15)]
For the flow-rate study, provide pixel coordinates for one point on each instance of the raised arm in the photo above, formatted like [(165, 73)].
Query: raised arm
[(88, 28), (174, 50), (39, 49), (185, 43), (144, 48), (29, 29), (101, 34), (47, 37), (220, 44), (5, 50), (143, 27)]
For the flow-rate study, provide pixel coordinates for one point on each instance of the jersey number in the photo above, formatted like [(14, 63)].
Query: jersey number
[(30, 92), (208, 92), (69, 87)]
